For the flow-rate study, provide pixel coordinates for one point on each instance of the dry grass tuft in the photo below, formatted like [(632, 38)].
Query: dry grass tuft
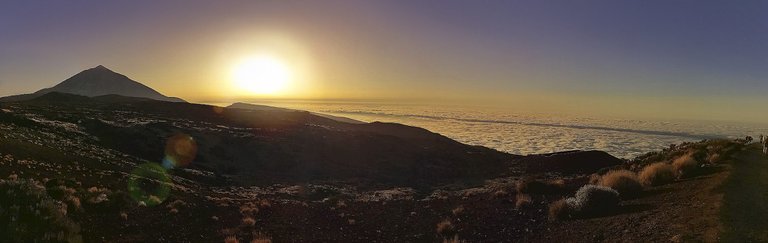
[(657, 174), (249, 221), (231, 239), (458, 210), (444, 227), (522, 200), (559, 210), (261, 238), (249, 209), (154, 200), (685, 166), (623, 181), (341, 204), (594, 179), (500, 194), (714, 158), (264, 203), (455, 239)]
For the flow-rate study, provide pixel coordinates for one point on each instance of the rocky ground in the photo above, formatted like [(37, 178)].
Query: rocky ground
[(81, 188)]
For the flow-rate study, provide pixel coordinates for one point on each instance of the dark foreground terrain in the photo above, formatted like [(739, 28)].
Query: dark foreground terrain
[(118, 169)]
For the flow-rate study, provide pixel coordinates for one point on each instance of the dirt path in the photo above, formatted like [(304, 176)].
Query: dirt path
[(744, 214)]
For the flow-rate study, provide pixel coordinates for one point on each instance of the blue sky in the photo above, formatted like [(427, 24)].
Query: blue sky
[(590, 56)]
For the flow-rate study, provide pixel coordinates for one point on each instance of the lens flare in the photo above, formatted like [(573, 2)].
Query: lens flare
[(180, 150), (149, 183)]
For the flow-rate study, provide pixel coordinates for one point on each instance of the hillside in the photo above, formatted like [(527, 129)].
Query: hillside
[(98, 81), (113, 168)]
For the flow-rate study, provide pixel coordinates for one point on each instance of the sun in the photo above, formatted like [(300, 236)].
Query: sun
[(265, 75)]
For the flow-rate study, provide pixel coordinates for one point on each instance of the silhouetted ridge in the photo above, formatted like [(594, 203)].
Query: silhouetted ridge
[(98, 81)]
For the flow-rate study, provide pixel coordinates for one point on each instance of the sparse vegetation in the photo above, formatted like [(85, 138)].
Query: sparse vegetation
[(249, 221), (458, 210), (28, 214), (657, 174), (522, 200), (685, 166), (454, 239), (231, 239), (559, 210), (593, 200), (444, 227), (623, 181)]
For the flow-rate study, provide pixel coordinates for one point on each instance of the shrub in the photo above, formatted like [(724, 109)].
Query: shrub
[(559, 210), (458, 210), (685, 166), (261, 238), (28, 214), (231, 239), (249, 209), (593, 200), (455, 239), (444, 227), (249, 221), (522, 200), (264, 203), (714, 158), (500, 194), (657, 174), (623, 181), (594, 179)]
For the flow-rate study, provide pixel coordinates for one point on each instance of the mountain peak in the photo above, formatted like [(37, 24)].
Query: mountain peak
[(101, 67), (100, 80)]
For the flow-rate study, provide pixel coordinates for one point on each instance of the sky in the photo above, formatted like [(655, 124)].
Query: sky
[(655, 59)]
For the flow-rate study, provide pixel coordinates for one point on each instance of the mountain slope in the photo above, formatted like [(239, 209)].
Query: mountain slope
[(240, 105), (98, 81)]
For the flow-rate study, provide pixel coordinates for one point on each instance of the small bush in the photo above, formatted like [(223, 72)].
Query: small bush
[(657, 174), (29, 214), (559, 210), (685, 166), (594, 179), (714, 158), (623, 181), (444, 227), (264, 203), (231, 239), (455, 239), (458, 210), (593, 200), (261, 238), (500, 194), (249, 221), (522, 200)]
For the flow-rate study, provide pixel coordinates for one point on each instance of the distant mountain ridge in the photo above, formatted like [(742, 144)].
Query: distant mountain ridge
[(246, 106), (98, 81)]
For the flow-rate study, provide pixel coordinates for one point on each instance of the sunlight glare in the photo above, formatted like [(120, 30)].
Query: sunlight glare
[(262, 75)]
